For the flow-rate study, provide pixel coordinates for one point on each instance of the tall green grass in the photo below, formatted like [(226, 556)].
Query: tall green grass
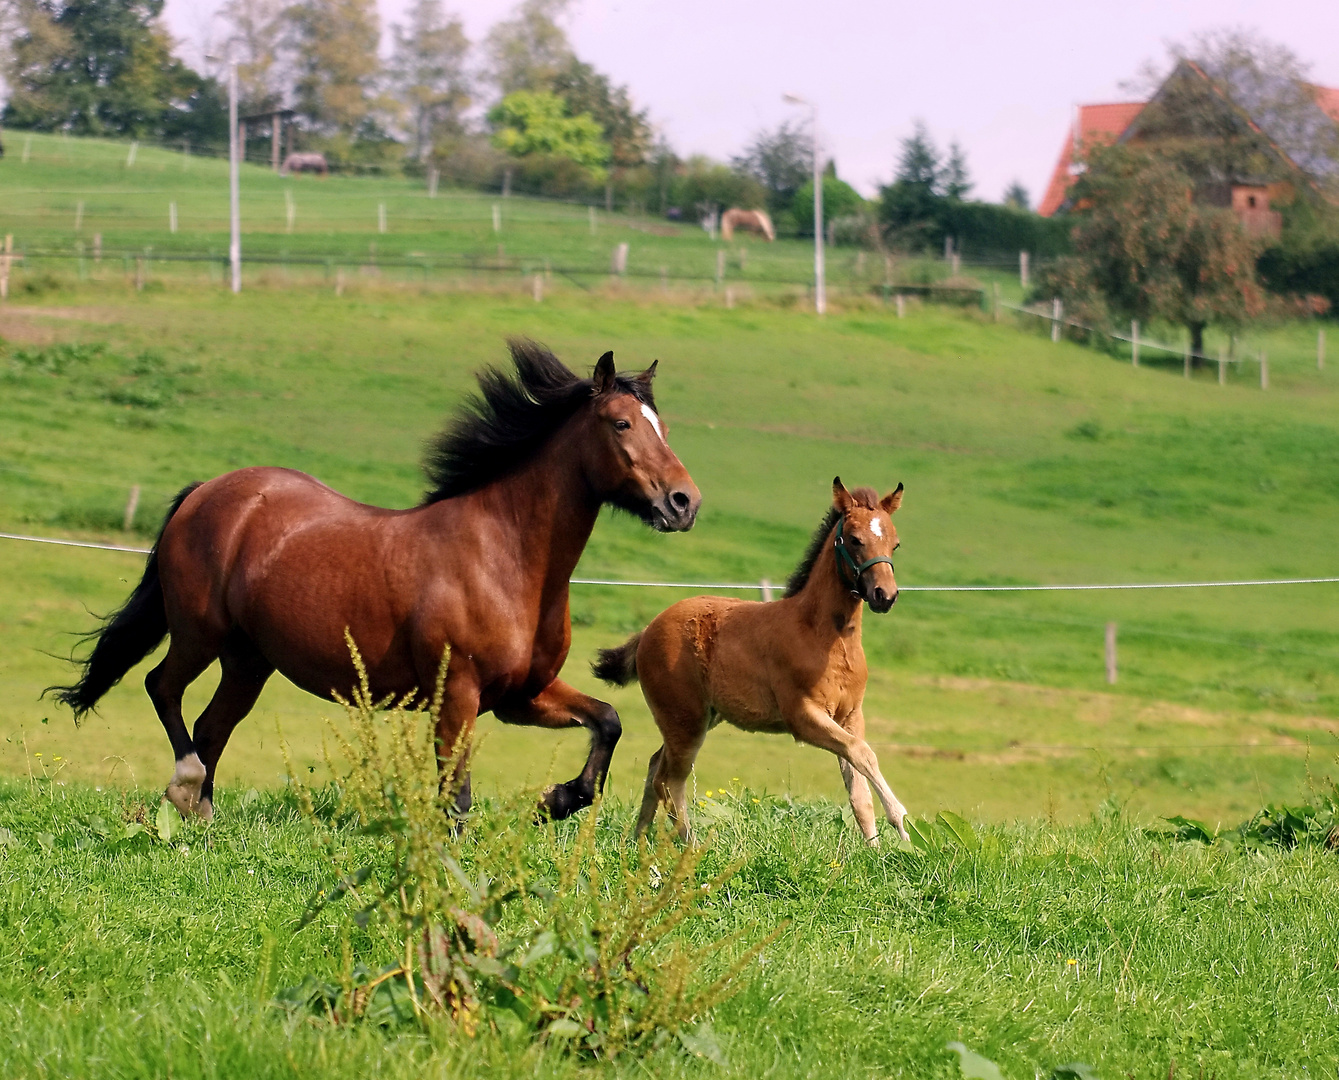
[(1039, 946)]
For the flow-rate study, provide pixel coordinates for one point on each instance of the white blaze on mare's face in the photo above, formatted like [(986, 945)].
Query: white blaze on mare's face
[(876, 528), (650, 414)]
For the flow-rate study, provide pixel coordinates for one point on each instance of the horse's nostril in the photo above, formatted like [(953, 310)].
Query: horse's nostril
[(680, 500)]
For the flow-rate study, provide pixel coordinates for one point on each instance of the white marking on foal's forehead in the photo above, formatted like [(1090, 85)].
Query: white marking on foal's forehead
[(650, 414), (875, 527)]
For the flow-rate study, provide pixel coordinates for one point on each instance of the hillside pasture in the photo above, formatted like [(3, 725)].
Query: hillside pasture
[(1024, 462)]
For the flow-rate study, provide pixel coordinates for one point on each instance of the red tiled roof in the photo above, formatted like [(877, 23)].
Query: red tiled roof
[(1328, 99), (1096, 124)]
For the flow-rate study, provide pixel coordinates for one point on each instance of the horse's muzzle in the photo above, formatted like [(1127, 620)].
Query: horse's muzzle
[(880, 601), (677, 511)]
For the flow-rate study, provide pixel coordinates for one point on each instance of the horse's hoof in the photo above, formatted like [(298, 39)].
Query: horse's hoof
[(560, 801), (183, 790)]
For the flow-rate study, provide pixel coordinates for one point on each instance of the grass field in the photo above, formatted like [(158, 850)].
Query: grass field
[(1042, 947), (1069, 934), (1024, 462)]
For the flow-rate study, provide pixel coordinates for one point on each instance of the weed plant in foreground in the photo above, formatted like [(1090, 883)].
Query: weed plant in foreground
[(130, 955)]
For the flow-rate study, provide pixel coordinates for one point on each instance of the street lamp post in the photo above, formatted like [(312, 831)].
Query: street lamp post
[(820, 276), (234, 194)]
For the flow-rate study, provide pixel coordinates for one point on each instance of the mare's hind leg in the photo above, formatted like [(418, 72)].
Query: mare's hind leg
[(561, 706), (186, 659), (245, 672)]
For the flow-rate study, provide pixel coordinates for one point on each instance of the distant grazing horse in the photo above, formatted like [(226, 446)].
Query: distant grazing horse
[(750, 220), (309, 162), (794, 665), (263, 569)]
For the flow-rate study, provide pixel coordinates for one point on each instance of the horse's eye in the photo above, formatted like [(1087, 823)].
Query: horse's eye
[(621, 425), (897, 545)]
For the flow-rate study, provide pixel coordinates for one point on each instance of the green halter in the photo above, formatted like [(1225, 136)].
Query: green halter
[(844, 558)]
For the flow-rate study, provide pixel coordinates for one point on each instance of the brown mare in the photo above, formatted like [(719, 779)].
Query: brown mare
[(795, 665), (264, 569), (758, 221)]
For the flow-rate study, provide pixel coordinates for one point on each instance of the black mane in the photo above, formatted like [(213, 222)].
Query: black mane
[(862, 496), (513, 415), (800, 578)]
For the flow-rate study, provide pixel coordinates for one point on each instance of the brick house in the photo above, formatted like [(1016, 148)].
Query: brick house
[(1248, 186)]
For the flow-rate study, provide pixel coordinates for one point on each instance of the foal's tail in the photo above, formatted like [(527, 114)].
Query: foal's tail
[(618, 667), (125, 637)]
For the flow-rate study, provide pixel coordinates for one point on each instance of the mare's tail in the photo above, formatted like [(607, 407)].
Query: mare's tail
[(618, 667), (125, 637)]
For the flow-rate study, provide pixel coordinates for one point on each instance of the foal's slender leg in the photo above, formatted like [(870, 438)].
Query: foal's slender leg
[(559, 705), (862, 802), (810, 724), (187, 657), (672, 784), (650, 796), (245, 672)]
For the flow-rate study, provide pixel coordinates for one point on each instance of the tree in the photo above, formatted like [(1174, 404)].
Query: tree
[(1016, 196), (527, 51), (919, 164), (100, 67), (255, 41), (955, 182), (840, 200), (530, 123), (1145, 248), (1226, 107), (428, 73), (626, 129), (335, 55), (781, 160)]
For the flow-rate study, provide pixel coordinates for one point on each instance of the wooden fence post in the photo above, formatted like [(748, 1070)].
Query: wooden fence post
[(996, 289), (1264, 370), (765, 587), (1056, 309), (538, 286), (720, 266), (1222, 369), (172, 217), (901, 306), (132, 504), (433, 177), (619, 263), (1023, 269), (4, 266), (591, 211), (79, 215), (729, 296), (130, 157), (1186, 372), (97, 248), (497, 218), (1320, 350), (1111, 654), (1134, 342)]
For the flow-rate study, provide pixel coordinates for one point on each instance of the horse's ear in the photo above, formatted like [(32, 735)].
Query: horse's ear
[(892, 500), (841, 498), (646, 376), (604, 374)]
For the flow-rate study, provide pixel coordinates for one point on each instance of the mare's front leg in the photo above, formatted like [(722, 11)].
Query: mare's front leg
[(810, 724), (455, 730), (561, 706)]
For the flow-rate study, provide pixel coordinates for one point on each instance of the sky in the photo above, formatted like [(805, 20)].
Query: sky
[(1000, 78)]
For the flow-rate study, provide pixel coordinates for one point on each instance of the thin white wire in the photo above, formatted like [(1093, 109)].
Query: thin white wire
[(757, 585)]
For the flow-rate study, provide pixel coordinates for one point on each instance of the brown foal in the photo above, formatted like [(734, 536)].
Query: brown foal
[(795, 665), (267, 569)]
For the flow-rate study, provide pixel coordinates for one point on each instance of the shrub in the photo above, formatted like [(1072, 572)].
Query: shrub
[(593, 959), (840, 200)]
